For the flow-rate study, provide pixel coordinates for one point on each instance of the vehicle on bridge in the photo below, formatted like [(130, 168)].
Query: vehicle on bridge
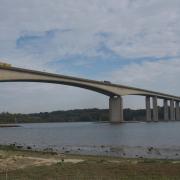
[(107, 82)]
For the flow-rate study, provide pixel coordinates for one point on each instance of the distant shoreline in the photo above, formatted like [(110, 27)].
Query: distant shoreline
[(76, 115), (8, 125)]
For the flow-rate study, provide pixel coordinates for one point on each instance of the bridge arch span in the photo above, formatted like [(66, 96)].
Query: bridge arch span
[(114, 91), (103, 87)]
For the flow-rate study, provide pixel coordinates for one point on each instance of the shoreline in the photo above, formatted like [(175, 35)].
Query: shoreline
[(107, 151), (20, 164)]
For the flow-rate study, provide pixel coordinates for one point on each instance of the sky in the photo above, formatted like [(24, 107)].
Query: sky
[(129, 42)]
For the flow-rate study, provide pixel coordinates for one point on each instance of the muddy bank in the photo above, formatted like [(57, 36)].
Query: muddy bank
[(125, 151), (121, 151)]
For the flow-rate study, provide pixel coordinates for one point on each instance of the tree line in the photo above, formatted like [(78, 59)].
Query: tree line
[(77, 115)]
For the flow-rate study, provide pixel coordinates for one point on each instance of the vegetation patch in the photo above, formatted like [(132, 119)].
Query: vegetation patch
[(19, 164)]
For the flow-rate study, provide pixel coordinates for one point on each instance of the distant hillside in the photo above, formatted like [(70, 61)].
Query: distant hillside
[(78, 115)]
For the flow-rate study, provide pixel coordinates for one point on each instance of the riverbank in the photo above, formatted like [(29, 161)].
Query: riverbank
[(28, 164), (149, 152)]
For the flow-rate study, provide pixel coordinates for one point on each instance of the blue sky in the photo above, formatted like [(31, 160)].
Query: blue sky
[(132, 42)]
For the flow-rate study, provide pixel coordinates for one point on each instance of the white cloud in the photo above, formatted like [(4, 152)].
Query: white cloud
[(162, 76), (138, 28), (133, 29)]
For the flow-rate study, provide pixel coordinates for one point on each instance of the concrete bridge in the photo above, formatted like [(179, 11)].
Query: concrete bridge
[(114, 91)]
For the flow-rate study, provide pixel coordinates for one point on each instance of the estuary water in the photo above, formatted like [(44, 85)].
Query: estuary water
[(141, 139)]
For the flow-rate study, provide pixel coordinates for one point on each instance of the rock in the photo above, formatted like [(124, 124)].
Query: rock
[(29, 147), (150, 149)]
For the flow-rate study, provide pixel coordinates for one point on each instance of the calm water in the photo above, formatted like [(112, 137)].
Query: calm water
[(95, 137)]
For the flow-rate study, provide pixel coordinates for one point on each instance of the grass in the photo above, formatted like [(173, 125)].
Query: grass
[(92, 168), (96, 170)]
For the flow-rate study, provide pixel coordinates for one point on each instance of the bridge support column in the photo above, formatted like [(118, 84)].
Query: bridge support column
[(116, 109), (172, 114), (166, 110), (155, 109), (177, 111), (148, 108)]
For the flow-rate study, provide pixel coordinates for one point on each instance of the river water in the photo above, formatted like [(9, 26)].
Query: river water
[(141, 139)]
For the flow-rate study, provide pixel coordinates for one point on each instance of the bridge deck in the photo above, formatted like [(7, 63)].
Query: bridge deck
[(140, 91)]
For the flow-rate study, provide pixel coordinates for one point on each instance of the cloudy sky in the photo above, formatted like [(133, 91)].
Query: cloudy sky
[(131, 42)]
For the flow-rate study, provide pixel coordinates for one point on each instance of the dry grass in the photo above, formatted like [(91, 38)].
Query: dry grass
[(22, 165)]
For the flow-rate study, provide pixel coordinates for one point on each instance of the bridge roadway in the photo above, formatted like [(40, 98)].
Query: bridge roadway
[(114, 91)]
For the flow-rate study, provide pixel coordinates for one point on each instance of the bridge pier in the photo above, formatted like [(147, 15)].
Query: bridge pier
[(177, 111), (172, 113), (148, 108), (116, 109), (166, 110), (155, 109)]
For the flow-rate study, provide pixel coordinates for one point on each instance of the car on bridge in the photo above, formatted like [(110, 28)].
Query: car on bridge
[(107, 82)]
